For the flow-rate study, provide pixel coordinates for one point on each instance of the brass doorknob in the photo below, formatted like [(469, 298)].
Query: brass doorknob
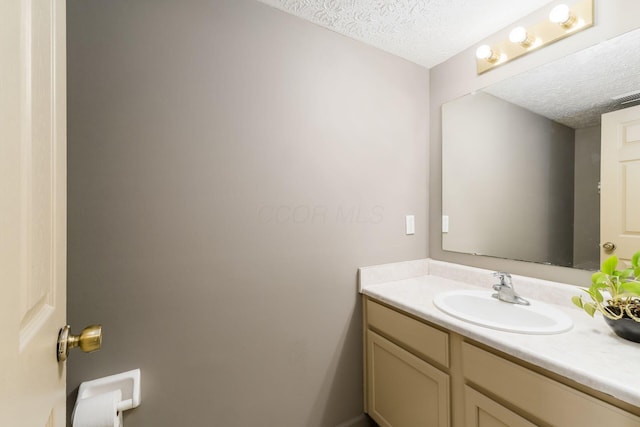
[(609, 247), (90, 339)]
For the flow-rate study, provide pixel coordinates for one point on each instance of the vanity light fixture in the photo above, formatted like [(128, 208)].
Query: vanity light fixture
[(562, 15), (563, 21), (519, 35)]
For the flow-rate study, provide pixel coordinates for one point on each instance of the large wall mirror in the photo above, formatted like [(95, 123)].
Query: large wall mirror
[(521, 158)]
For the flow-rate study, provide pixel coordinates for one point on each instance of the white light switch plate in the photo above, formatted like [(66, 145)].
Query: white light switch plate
[(410, 224)]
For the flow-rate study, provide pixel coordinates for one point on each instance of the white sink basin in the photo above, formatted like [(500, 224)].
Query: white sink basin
[(480, 308)]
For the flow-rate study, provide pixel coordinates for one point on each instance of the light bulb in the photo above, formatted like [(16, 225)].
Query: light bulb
[(485, 52), (519, 35), (561, 14)]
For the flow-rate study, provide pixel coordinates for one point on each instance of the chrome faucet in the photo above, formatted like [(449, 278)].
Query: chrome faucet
[(505, 289)]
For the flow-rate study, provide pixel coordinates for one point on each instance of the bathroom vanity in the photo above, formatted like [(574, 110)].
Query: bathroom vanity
[(426, 368)]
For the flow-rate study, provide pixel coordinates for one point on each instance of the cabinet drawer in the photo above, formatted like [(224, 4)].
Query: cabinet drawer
[(418, 337), (543, 398)]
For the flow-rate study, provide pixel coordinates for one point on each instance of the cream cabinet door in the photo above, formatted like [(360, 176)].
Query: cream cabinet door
[(620, 176), (402, 389), (480, 411), (32, 211)]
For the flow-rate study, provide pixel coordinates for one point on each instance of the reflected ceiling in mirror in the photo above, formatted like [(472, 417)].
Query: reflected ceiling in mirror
[(521, 158), (579, 88)]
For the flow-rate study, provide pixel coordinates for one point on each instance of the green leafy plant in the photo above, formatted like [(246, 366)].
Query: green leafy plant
[(615, 293)]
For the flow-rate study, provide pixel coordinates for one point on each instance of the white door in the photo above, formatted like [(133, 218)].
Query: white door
[(620, 175), (32, 211)]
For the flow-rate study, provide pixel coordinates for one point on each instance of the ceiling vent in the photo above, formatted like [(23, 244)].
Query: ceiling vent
[(628, 98)]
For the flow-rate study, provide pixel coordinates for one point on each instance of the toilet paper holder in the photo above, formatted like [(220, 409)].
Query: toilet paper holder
[(127, 382)]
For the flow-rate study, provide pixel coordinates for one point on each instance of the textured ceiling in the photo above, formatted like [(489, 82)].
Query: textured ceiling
[(426, 32), (577, 89)]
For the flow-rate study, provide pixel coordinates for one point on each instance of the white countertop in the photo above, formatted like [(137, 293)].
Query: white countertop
[(590, 353)]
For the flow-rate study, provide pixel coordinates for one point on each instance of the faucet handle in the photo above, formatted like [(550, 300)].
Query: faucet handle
[(505, 278)]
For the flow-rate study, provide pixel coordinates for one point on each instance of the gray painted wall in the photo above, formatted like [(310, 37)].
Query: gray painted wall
[(230, 168), (586, 253), (457, 77), (488, 144)]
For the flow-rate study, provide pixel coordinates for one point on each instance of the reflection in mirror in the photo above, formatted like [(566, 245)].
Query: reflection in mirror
[(521, 158)]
